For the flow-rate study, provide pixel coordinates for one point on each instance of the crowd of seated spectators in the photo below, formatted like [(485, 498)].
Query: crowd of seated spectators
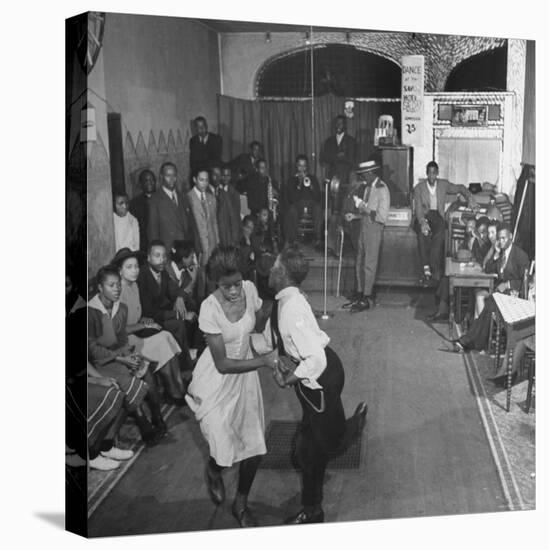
[(141, 312)]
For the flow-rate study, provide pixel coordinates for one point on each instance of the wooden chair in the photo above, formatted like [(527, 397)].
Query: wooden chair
[(530, 359)]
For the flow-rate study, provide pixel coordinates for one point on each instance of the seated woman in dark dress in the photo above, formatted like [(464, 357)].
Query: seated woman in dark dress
[(113, 357)]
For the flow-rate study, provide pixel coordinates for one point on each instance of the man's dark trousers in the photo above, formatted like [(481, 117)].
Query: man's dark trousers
[(431, 247), (321, 432)]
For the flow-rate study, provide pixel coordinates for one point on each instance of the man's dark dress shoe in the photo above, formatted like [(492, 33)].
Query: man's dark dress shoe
[(437, 317), (362, 305), (501, 381), (216, 487), (304, 517), (361, 412), (244, 517)]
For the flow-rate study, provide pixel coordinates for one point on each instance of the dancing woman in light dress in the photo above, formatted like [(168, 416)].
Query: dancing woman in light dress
[(225, 393)]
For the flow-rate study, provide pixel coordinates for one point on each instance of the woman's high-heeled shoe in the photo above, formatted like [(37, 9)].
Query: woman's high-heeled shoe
[(244, 516), (216, 487)]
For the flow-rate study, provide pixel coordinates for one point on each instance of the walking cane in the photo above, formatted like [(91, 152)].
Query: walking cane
[(342, 234)]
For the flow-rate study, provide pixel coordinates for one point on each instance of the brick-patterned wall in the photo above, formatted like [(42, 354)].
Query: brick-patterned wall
[(442, 53)]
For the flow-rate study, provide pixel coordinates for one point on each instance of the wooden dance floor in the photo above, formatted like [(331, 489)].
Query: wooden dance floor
[(424, 450)]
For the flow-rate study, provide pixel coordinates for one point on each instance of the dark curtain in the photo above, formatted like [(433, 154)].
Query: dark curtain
[(284, 129)]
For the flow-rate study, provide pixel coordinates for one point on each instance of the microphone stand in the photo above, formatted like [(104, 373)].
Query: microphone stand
[(325, 315)]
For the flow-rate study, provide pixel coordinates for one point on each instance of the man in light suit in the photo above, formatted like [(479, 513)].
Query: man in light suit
[(430, 197), (203, 208), (168, 220)]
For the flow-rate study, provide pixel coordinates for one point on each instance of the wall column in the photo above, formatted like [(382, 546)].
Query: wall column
[(99, 196), (516, 73)]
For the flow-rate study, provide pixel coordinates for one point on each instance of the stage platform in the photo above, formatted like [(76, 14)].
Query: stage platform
[(399, 264)]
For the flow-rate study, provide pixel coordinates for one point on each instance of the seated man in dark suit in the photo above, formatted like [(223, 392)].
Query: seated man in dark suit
[(302, 192), (245, 166), (139, 205), (204, 146), (476, 238), (509, 263), (168, 210), (161, 299), (430, 198), (183, 270)]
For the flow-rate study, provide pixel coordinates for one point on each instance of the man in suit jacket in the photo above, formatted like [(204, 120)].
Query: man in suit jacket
[(509, 263), (372, 200), (228, 205), (245, 166), (258, 188), (139, 205), (203, 207), (303, 190), (204, 147), (161, 300), (168, 217), (339, 152), (430, 197)]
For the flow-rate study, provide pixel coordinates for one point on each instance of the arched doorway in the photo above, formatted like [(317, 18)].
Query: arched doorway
[(483, 72), (341, 70)]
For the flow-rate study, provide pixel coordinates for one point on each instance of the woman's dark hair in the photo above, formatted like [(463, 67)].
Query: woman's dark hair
[(181, 249), (104, 272), (431, 164), (247, 219), (224, 262), (295, 263), (483, 220), (116, 196)]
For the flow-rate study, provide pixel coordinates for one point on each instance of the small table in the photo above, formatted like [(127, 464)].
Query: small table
[(465, 274), (519, 318)]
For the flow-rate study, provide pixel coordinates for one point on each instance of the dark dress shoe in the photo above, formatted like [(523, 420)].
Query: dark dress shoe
[(304, 517), (244, 517), (216, 487), (437, 317), (360, 413), (161, 429), (361, 305)]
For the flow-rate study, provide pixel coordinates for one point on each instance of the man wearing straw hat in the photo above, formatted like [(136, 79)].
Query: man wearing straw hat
[(372, 200)]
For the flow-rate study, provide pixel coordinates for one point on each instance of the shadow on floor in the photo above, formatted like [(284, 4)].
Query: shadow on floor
[(57, 519)]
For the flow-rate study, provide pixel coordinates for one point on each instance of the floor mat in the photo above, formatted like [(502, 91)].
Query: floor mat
[(281, 436)]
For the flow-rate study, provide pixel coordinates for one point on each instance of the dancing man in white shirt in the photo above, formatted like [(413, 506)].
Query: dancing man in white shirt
[(314, 369)]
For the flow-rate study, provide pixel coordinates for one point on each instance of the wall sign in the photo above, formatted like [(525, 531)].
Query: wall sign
[(413, 76)]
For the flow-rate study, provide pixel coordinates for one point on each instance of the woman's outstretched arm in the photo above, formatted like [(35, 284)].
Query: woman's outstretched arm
[(235, 366)]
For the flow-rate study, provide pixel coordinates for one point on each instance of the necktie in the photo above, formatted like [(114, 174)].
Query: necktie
[(174, 198), (367, 193), (275, 332), (204, 205)]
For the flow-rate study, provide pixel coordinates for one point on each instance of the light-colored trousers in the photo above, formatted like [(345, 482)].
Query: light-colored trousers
[(367, 256)]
